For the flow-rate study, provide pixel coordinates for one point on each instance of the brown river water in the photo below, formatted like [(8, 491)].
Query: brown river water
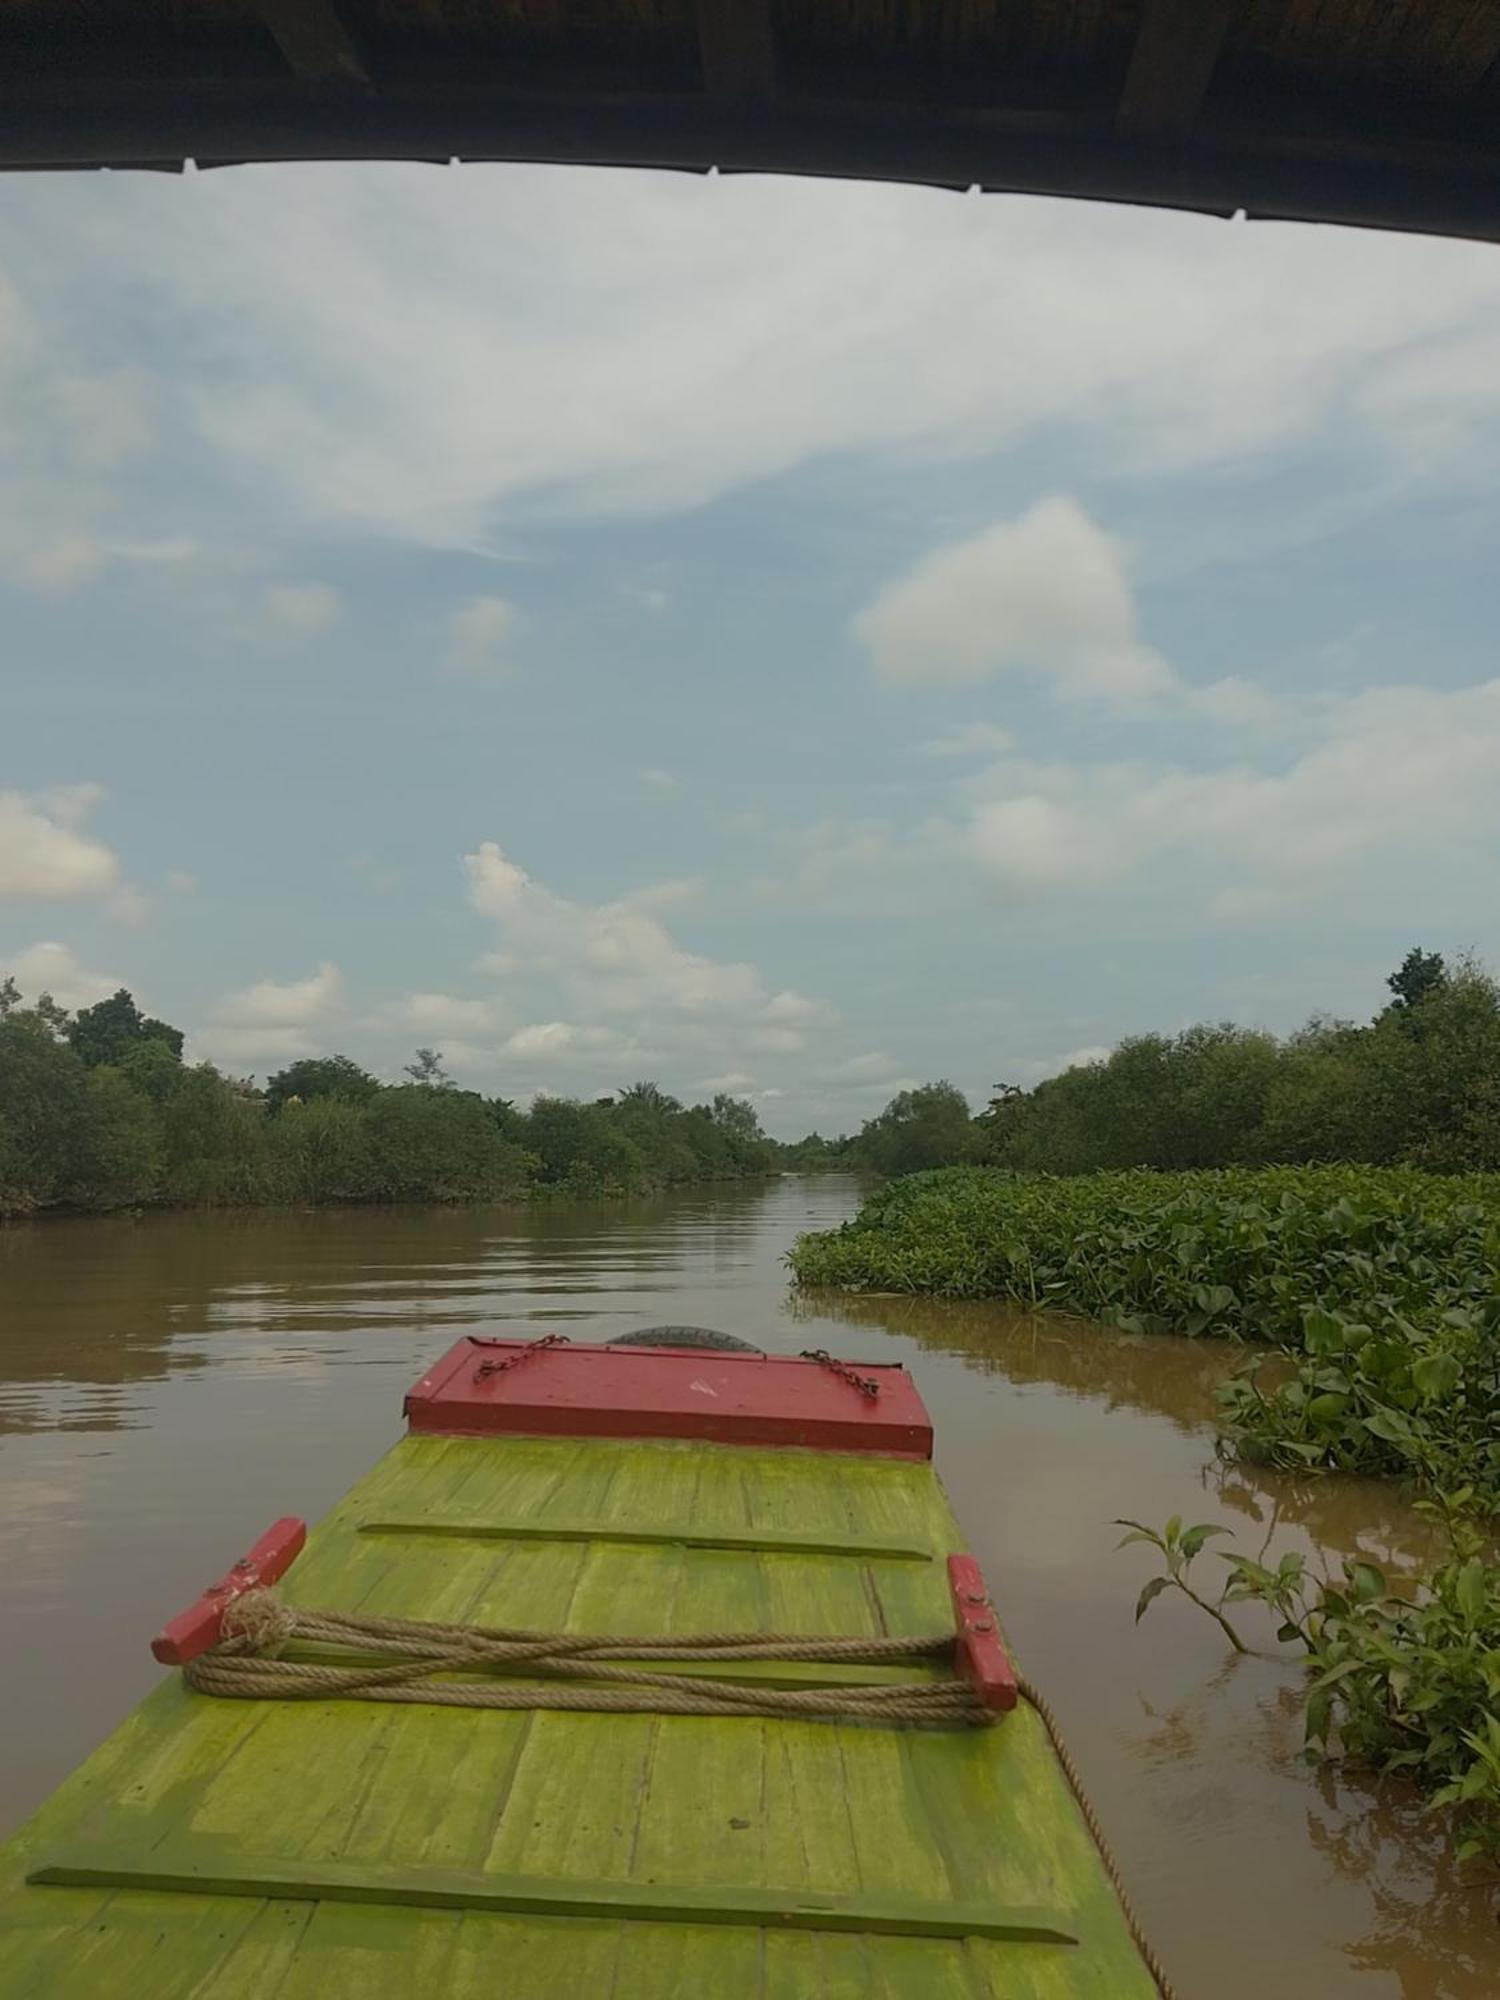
[(169, 1385)]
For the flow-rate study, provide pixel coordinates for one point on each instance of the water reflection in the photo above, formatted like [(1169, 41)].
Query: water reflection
[(1172, 1378), (171, 1384)]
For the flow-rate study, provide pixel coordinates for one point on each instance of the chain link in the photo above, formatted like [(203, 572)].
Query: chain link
[(865, 1384), (520, 1354)]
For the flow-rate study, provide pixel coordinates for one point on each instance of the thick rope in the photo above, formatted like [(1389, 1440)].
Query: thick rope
[(240, 1667), (1030, 1693), (243, 1666)]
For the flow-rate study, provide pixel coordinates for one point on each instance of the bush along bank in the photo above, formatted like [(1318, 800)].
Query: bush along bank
[(1242, 1252)]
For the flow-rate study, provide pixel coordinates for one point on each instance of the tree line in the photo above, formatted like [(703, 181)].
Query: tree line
[(99, 1111), (1419, 1083)]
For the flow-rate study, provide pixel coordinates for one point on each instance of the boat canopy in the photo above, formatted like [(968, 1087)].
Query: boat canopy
[(1320, 110)]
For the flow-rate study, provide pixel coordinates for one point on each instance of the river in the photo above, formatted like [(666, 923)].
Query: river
[(170, 1384)]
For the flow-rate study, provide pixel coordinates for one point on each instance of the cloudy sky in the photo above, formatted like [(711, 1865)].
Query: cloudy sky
[(771, 636)]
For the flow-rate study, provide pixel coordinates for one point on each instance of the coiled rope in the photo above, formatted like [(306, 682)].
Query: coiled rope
[(245, 1666)]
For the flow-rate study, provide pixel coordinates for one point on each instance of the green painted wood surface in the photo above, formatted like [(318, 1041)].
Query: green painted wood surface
[(749, 1541), (182, 1869), (736, 1805)]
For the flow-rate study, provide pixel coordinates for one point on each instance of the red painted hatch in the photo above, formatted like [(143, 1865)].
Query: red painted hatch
[(553, 1388)]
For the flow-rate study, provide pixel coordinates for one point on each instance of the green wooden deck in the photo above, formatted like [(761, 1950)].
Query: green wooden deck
[(322, 1851)]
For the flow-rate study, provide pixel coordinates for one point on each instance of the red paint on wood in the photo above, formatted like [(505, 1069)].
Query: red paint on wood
[(669, 1392), (193, 1631), (981, 1654)]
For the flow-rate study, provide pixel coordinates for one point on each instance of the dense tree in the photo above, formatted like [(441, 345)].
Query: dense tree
[(44, 1114), (110, 1029), (320, 1076), (1419, 975), (77, 1131), (926, 1127), (1420, 1083), (440, 1145)]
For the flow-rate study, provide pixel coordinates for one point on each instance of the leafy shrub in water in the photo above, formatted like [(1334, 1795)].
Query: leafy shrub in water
[(1238, 1252), (1400, 1681), (1394, 1398)]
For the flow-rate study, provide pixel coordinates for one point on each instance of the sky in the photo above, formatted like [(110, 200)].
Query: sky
[(772, 636)]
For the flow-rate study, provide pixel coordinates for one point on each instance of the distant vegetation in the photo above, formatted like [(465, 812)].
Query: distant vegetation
[(99, 1111), (1420, 1083)]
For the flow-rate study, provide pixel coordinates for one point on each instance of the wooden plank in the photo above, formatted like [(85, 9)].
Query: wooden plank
[(315, 43), (980, 1819), (748, 1541), (187, 1868), (1176, 48), (737, 50)]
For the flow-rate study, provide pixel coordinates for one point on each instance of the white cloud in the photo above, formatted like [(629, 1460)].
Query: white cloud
[(223, 1042), (273, 1004), (630, 992), (1046, 594), (1237, 703), (663, 783), (971, 739), (303, 610), (44, 853), (479, 639), (273, 1021), (874, 1066), (545, 1039), (1399, 768), (49, 967), (616, 957), (1043, 1067), (412, 350), (439, 1014), (735, 1081)]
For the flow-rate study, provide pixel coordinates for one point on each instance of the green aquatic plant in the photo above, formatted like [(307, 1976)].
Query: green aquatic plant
[(1242, 1252), (1395, 1398), (1379, 1286), (1402, 1676)]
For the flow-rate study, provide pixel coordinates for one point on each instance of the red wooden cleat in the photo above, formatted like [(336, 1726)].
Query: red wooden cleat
[(193, 1631), (979, 1649)]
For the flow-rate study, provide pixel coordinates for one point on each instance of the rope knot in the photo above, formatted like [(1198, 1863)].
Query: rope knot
[(258, 1622)]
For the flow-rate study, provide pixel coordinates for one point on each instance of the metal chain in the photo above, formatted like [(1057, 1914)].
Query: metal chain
[(866, 1384), (521, 1353)]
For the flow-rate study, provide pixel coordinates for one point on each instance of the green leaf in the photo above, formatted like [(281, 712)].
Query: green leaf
[(1194, 1538), (1472, 1590), (1149, 1595), (1366, 1582), (1322, 1333), (1436, 1374), (1327, 1409), (1389, 1425), (1173, 1529)]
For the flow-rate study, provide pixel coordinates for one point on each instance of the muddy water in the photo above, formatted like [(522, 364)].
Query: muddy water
[(168, 1386)]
